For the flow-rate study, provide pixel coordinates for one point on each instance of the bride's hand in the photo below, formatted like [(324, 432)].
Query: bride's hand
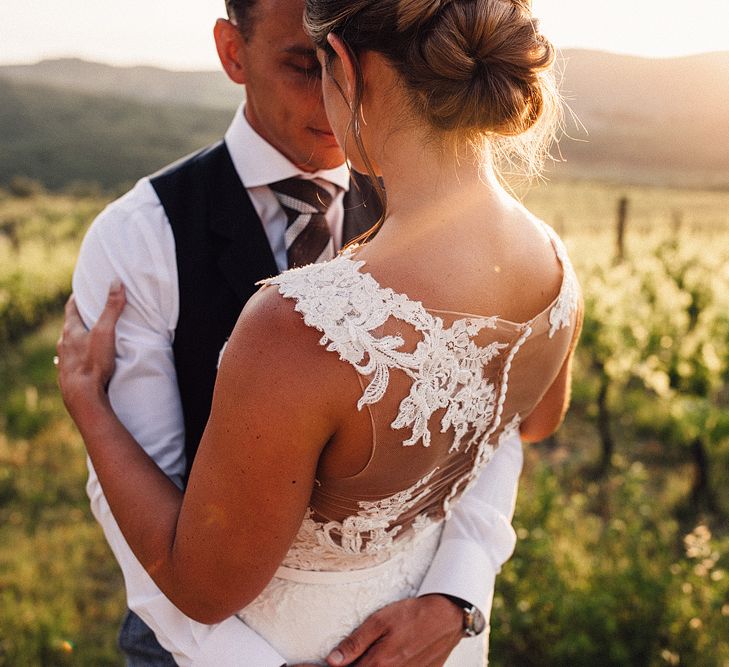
[(86, 358)]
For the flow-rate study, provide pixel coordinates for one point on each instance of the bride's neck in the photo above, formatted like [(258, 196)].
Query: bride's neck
[(428, 183)]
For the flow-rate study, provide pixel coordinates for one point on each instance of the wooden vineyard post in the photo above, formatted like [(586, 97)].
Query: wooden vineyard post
[(676, 222), (620, 230)]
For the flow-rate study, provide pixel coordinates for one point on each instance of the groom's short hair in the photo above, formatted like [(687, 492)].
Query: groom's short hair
[(240, 12)]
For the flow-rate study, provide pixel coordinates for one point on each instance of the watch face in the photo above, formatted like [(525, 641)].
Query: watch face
[(479, 622), (474, 622)]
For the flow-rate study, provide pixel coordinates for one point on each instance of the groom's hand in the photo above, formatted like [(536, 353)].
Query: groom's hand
[(417, 632)]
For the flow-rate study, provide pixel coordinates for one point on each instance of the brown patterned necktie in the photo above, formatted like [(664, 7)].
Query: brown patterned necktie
[(308, 238)]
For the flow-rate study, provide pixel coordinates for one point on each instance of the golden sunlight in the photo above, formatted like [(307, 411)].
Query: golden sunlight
[(177, 36)]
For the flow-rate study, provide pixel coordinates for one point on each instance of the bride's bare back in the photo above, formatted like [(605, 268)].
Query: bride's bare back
[(433, 394)]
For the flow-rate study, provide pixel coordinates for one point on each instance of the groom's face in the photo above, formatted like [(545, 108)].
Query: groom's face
[(283, 86)]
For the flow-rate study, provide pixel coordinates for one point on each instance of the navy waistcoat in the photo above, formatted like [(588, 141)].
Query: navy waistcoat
[(221, 251)]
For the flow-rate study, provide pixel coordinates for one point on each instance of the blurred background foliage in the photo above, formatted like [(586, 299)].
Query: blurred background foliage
[(622, 516)]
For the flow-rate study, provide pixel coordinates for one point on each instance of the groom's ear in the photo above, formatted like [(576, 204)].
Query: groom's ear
[(230, 43)]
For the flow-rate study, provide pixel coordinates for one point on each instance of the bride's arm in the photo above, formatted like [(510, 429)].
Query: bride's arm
[(550, 411), (135, 244), (214, 550)]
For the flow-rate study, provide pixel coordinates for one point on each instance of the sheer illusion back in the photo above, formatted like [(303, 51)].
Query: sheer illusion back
[(443, 390)]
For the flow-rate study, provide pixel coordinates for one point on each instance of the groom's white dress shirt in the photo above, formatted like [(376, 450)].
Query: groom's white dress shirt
[(132, 240)]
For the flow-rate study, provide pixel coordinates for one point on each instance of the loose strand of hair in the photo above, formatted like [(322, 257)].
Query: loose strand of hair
[(355, 127)]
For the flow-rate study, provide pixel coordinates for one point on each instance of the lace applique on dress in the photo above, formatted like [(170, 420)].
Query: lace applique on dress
[(369, 532), (561, 313), (447, 367), (449, 372)]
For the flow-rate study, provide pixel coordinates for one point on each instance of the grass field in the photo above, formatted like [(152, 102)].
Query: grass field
[(619, 562)]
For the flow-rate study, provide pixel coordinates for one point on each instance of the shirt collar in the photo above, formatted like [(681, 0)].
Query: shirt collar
[(269, 164)]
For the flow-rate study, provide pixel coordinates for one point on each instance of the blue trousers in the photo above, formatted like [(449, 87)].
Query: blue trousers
[(139, 645)]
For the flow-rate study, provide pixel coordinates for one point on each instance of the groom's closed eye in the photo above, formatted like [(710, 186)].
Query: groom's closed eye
[(304, 63), (307, 70)]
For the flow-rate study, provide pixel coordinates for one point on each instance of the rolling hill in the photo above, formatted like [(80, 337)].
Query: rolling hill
[(648, 120), (59, 137), (145, 84)]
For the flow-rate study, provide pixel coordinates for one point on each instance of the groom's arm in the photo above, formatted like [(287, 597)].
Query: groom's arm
[(478, 538), (476, 541), (132, 241)]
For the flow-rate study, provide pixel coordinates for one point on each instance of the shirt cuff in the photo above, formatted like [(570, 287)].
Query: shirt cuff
[(452, 573), (254, 650)]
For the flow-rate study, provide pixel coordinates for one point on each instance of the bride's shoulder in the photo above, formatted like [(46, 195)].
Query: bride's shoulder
[(272, 333), (299, 305), (538, 238), (540, 268), (532, 226), (270, 317), (569, 299)]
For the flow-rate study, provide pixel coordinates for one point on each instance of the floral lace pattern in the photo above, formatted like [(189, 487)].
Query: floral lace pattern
[(369, 533), (448, 372), (561, 313), (446, 366)]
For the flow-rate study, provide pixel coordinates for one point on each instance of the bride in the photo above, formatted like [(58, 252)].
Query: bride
[(358, 399)]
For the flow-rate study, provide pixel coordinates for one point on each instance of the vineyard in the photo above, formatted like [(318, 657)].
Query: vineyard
[(623, 552)]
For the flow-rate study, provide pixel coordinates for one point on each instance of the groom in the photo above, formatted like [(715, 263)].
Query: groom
[(189, 244)]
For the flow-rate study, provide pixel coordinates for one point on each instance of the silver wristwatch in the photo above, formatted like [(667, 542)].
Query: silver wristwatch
[(473, 621)]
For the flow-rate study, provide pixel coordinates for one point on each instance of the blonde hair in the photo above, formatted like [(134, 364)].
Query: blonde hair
[(477, 69)]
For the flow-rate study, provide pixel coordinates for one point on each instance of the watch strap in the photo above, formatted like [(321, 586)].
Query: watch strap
[(474, 622)]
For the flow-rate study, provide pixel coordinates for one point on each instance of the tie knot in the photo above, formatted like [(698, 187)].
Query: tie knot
[(302, 195)]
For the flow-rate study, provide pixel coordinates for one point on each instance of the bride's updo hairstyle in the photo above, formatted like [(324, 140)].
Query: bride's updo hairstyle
[(476, 69)]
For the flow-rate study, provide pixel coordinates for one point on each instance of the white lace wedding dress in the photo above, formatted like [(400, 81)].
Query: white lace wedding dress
[(443, 389)]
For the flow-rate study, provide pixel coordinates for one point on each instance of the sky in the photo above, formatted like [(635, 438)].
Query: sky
[(177, 34)]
